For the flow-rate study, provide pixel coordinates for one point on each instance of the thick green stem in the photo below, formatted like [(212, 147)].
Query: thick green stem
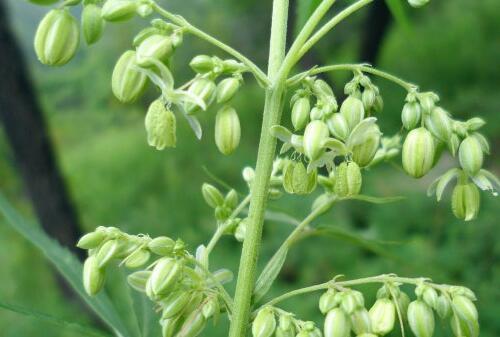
[(260, 187)]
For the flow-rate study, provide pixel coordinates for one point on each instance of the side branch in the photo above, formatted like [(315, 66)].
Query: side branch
[(353, 67), (178, 20)]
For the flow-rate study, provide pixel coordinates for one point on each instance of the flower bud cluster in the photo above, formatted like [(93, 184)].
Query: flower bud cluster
[(183, 294), (271, 321), (223, 205)]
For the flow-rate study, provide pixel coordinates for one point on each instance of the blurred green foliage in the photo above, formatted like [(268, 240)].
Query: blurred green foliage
[(116, 179)]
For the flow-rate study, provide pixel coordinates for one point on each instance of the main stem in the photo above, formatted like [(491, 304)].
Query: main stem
[(260, 187)]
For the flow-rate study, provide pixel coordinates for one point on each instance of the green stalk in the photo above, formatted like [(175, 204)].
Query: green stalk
[(260, 187)]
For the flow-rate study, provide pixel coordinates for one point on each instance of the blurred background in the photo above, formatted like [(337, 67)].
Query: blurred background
[(75, 158)]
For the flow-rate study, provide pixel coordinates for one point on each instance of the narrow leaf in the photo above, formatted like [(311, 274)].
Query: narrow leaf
[(375, 200), (270, 273)]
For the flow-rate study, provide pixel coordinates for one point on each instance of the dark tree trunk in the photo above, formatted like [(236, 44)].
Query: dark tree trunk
[(29, 139)]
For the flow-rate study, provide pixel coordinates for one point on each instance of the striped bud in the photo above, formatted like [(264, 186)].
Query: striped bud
[(351, 301), (162, 245), (165, 274), (337, 124), (328, 301), (202, 64), (210, 308), (127, 82), (174, 303), (353, 111), (348, 179), (227, 88), (118, 10), (264, 323), (213, 197), (364, 153), (156, 46), (193, 325), (57, 38), (440, 124), (91, 240), (160, 126), (382, 316), (296, 180), (368, 98), (412, 112), (361, 321), (403, 303), (315, 134), (92, 23), (462, 328), (285, 322), (231, 199), (443, 307), (107, 252), (300, 113), (137, 258), (169, 326), (470, 155), (418, 3), (421, 319), (430, 297), (337, 324), (428, 101), (227, 130), (93, 276), (418, 152), (241, 231), (465, 201), (139, 279), (203, 88), (465, 309)]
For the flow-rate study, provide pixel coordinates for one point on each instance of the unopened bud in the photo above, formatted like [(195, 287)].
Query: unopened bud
[(93, 276), (418, 152), (328, 301), (118, 10), (296, 180), (91, 240), (127, 82), (264, 323), (353, 111), (57, 38), (107, 252), (364, 153), (202, 64), (193, 325), (428, 100), (421, 319), (338, 127), (315, 134), (443, 307), (231, 199), (471, 155), (348, 179), (227, 88), (337, 324), (465, 201), (382, 316), (368, 98), (213, 197), (440, 124), (165, 274), (162, 245), (92, 23), (210, 308), (160, 126), (465, 309), (139, 279), (241, 231), (361, 322), (174, 303), (156, 46), (137, 259), (351, 301), (203, 88), (411, 115), (227, 130), (300, 113)]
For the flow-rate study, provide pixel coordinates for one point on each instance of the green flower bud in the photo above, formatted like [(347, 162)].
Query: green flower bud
[(296, 180), (127, 82), (231, 199), (213, 197), (139, 279), (91, 240), (92, 23), (264, 323), (57, 38), (210, 308), (202, 64), (421, 319), (285, 322), (361, 322), (368, 98), (465, 201), (462, 291), (351, 301), (174, 303), (411, 115), (403, 303), (241, 231), (328, 301), (160, 126), (475, 124), (144, 10), (465, 309), (203, 88), (463, 328), (300, 113), (315, 134), (107, 252), (193, 325), (137, 259), (418, 3), (93, 276), (470, 155), (162, 245), (338, 127), (227, 88), (443, 307), (316, 113), (364, 153), (322, 89), (232, 66), (430, 297), (227, 130), (165, 274), (348, 179), (284, 333), (440, 124), (418, 152), (118, 10), (169, 326), (156, 46), (353, 111), (428, 101), (382, 316), (337, 324)]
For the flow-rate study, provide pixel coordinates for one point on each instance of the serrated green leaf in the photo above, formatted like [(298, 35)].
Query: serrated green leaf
[(397, 9), (77, 327), (66, 264)]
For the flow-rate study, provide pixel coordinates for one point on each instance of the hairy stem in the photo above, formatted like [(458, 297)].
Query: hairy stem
[(260, 187), (353, 67), (178, 20)]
